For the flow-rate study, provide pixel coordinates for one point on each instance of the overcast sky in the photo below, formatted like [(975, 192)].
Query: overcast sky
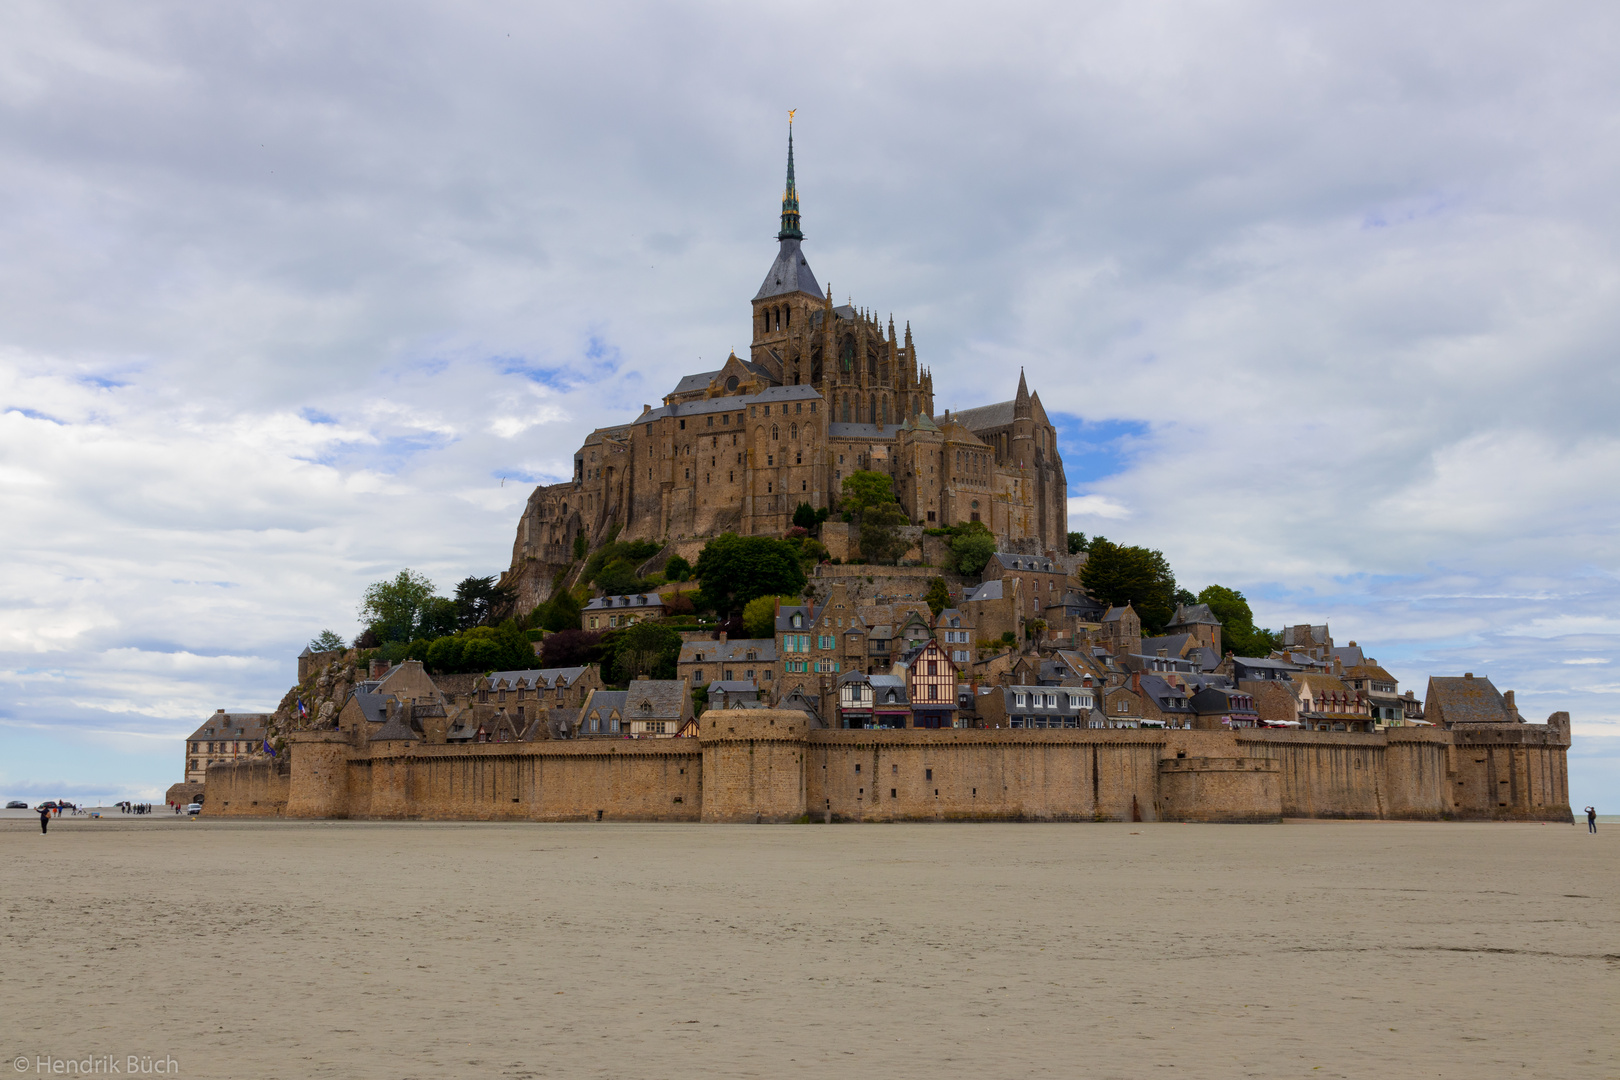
[(294, 295)]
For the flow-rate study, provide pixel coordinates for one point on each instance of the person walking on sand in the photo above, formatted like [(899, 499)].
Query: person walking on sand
[(1591, 819), (44, 818)]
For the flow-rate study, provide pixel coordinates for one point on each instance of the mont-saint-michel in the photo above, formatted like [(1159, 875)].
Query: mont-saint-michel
[(792, 591), (1084, 552)]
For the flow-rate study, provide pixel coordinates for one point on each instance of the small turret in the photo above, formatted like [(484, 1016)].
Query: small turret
[(1021, 402)]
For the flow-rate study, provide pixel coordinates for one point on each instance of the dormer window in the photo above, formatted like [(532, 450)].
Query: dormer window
[(646, 708), (798, 621)]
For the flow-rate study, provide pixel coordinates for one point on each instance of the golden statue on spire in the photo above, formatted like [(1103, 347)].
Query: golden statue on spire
[(790, 115)]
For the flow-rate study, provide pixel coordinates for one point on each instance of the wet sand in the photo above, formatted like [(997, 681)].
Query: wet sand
[(292, 949)]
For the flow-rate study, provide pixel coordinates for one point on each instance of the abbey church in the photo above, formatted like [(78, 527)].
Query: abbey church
[(824, 391)]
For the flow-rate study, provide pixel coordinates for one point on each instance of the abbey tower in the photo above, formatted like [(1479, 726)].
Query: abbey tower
[(825, 391)]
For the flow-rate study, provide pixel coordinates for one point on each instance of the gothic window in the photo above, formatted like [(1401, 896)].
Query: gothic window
[(731, 385), (871, 409), (789, 317), (846, 410), (846, 353), (793, 432), (773, 433), (871, 364)]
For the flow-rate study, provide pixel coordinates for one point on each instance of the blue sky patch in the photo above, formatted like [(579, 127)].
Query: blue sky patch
[(316, 416), (1094, 449)]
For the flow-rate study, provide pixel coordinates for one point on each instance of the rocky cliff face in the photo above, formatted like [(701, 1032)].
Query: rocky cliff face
[(323, 691)]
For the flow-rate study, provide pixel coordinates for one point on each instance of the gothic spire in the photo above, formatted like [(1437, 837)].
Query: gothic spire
[(790, 196)]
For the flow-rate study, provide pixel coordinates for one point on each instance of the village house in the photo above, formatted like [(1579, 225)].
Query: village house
[(1023, 706), (873, 701), (1042, 580), (649, 709), (609, 612), (931, 683), (707, 660), (222, 739)]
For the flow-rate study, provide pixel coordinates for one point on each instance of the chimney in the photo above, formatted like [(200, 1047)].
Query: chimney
[(1352, 644), (722, 637), (1136, 682), (1507, 698), (379, 668), (1468, 674)]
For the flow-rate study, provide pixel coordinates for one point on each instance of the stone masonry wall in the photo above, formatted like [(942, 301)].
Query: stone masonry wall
[(761, 765)]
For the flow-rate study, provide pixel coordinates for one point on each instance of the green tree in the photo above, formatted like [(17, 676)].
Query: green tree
[(561, 612), (677, 569), (479, 600), (971, 547), (516, 650), (1119, 574), (647, 648), (482, 654), (1238, 632), (759, 615), (880, 538), (733, 570), (581, 546), (804, 516), (326, 641), (392, 609), (864, 488), (938, 596), (439, 616), (1185, 598), (444, 655), (1077, 543)]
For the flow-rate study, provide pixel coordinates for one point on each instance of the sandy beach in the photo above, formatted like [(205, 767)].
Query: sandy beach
[(360, 949)]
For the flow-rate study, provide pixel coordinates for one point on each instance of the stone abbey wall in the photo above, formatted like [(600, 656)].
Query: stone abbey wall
[(759, 765)]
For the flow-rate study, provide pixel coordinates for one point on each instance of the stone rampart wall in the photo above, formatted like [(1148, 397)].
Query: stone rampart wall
[(249, 789), (763, 765)]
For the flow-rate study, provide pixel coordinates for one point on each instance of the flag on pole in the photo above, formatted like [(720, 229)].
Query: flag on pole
[(268, 748), (302, 709)]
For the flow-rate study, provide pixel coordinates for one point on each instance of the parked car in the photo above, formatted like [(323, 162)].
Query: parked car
[(16, 804), (194, 809), (47, 805)]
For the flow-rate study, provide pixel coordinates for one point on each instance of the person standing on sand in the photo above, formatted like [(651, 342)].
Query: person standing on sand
[(1591, 819), (44, 818)]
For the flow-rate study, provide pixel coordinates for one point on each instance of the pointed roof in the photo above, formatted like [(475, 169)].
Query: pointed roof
[(789, 273)]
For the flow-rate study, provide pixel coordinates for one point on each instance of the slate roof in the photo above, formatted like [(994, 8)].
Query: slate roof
[(396, 730), (373, 707), (990, 590), (1066, 698), (789, 273), (884, 685), (605, 702), (1173, 644), (540, 678), (729, 403), (1348, 655), (727, 651), (224, 725), (784, 617), (1114, 614), (1040, 563), (1467, 701), (734, 686), (1317, 636), (985, 416), (1194, 615), (886, 433), (666, 698), (627, 602), (1161, 692)]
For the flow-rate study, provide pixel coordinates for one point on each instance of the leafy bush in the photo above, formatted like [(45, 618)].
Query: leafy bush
[(677, 569)]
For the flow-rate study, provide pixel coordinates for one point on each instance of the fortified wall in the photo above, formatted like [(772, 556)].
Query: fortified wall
[(763, 765)]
